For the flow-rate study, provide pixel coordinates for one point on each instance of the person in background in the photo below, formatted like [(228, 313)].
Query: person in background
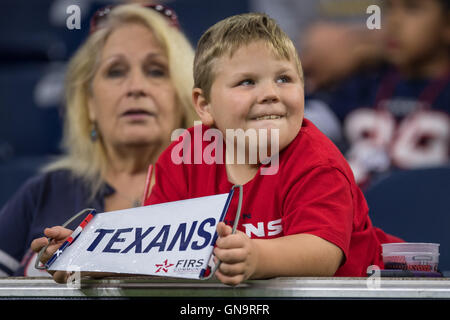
[(396, 116), (127, 88)]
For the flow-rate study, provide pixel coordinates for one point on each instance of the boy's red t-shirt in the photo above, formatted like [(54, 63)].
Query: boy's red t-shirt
[(313, 192)]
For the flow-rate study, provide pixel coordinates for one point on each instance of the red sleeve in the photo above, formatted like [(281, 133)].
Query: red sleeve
[(320, 203)]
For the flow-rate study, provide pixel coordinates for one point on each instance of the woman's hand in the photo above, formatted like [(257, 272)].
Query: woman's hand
[(237, 254), (58, 235)]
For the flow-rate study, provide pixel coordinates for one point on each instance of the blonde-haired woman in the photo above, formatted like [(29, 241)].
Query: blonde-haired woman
[(128, 87)]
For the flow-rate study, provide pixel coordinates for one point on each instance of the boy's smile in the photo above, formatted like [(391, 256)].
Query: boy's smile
[(255, 89)]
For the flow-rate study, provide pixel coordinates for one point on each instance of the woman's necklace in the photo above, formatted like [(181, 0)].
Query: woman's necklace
[(134, 201)]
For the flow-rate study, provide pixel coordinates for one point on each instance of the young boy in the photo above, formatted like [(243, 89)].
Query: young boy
[(305, 218)]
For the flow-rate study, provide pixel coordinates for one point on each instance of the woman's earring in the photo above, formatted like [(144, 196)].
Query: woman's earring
[(94, 133)]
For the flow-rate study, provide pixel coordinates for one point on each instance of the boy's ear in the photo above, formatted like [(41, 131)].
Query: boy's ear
[(202, 107)]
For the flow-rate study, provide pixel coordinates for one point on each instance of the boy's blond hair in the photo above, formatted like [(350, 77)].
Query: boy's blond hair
[(230, 34)]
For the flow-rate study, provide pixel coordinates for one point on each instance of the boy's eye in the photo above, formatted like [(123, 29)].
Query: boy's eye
[(246, 82), (283, 79)]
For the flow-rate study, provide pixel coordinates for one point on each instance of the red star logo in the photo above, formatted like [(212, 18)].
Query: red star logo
[(164, 267)]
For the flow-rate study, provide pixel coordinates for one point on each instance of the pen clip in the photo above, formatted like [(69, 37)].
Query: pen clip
[(37, 264), (210, 270)]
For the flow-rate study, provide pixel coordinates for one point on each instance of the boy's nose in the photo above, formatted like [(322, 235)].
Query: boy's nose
[(269, 94), (270, 99)]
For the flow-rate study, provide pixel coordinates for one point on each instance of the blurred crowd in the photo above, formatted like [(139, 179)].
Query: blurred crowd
[(381, 94)]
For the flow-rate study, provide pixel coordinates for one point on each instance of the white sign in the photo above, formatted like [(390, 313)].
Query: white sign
[(173, 239)]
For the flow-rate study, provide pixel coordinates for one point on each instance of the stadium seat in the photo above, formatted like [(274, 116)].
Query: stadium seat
[(415, 206), (30, 121), (15, 171)]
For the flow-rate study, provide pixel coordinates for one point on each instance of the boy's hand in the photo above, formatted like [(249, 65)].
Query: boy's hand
[(59, 235), (237, 254)]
